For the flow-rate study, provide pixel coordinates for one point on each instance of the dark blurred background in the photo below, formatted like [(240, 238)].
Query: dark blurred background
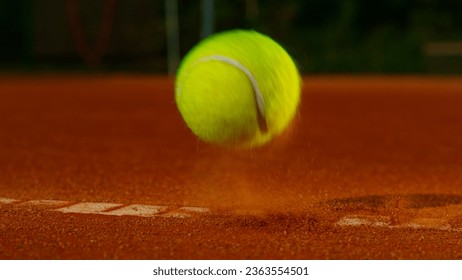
[(324, 36)]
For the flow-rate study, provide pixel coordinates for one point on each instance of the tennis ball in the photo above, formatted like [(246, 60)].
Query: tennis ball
[(237, 88)]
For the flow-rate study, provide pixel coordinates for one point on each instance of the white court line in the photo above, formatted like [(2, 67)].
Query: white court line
[(141, 210), (88, 208), (385, 222), (379, 221), (137, 210), (175, 215), (194, 209), (45, 203), (430, 223), (4, 200), (111, 209), (184, 212)]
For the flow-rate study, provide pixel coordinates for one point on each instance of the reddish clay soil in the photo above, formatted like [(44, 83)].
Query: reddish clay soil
[(370, 169)]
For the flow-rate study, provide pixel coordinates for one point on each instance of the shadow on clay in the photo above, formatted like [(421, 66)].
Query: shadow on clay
[(413, 201)]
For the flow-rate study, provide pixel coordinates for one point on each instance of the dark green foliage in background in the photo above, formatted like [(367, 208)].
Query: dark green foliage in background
[(324, 36)]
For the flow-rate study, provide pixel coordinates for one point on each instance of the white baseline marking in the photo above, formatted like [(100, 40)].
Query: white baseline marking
[(4, 200), (45, 203), (88, 208), (379, 221), (111, 209), (184, 212), (430, 223), (141, 210), (175, 215), (385, 222), (194, 209), (137, 210)]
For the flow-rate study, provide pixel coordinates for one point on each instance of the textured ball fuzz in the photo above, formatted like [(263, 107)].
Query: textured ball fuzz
[(237, 88)]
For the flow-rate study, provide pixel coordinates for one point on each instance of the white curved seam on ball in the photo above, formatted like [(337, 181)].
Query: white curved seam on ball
[(246, 71)]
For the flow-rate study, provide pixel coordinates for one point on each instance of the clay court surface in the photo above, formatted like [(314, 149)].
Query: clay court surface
[(102, 167)]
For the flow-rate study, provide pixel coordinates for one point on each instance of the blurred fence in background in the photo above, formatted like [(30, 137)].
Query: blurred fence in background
[(324, 36)]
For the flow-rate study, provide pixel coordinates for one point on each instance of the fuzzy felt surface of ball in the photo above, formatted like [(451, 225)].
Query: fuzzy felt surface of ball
[(237, 88)]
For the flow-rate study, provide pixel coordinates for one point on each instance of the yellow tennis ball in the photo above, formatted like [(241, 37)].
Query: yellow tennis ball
[(237, 88)]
